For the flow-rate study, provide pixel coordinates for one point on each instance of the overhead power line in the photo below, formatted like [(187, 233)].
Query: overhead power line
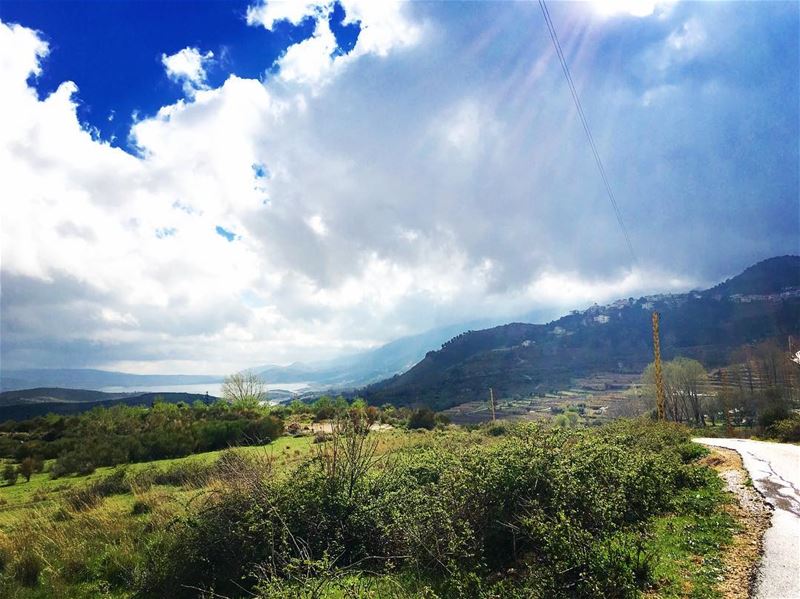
[(557, 45)]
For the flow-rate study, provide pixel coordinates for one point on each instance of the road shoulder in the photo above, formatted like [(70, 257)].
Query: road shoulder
[(752, 515)]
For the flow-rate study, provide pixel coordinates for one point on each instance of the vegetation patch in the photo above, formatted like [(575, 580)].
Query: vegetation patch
[(507, 510)]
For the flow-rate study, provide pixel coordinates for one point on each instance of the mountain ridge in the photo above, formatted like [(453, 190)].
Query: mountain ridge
[(519, 358), (23, 404), (92, 379)]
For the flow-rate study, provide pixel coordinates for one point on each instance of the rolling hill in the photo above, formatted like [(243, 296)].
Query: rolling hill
[(761, 303), (29, 403), (88, 378)]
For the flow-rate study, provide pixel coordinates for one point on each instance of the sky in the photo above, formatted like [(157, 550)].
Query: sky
[(200, 187)]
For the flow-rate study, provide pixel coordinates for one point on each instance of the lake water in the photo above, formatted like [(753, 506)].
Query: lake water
[(214, 389)]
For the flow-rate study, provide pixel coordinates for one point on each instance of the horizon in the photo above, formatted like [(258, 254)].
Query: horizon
[(259, 183), (312, 362)]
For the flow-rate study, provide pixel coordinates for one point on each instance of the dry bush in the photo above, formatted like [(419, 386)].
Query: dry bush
[(349, 453)]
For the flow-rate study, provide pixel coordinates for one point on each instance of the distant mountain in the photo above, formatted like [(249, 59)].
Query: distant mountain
[(29, 403), (347, 372), (86, 378), (767, 277), (364, 367), (55, 395), (518, 359)]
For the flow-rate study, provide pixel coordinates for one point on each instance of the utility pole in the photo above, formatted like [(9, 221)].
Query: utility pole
[(657, 367), (491, 401)]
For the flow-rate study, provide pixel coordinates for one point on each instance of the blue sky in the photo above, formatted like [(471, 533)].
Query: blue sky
[(291, 181), (127, 77)]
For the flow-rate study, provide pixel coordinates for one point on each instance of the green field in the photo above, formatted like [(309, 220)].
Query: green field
[(119, 531), (43, 492)]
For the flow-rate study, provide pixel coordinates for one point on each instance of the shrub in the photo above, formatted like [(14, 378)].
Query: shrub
[(321, 437), (70, 462), (87, 496), (422, 418), (26, 468), (772, 413), (188, 473), (10, 474), (141, 507), (121, 434), (495, 429), (26, 568), (786, 429), (115, 483), (6, 553), (82, 498), (566, 509)]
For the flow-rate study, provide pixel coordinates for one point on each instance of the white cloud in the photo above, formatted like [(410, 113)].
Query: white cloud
[(268, 14), (688, 38), (634, 8), (405, 190), (188, 67), (468, 128), (21, 50), (317, 224), (310, 61), (384, 27)]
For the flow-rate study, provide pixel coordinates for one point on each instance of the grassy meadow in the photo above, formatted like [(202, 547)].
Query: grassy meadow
[(504, 510)]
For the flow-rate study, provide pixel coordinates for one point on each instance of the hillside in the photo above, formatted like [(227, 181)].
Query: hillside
[(88, 378), (519, 359), (365, 367), (345, 372), (29, 403)]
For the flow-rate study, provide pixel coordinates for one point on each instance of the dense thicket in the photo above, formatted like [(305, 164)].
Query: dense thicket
[(535, 512), (122, 434)]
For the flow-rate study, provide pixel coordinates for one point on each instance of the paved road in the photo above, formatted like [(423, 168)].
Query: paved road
[(775, 470)]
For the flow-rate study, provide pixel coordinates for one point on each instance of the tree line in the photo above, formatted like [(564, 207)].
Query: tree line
[(760, 389), (123, 434)]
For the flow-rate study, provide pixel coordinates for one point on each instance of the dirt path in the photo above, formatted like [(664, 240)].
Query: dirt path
[(775, 471)]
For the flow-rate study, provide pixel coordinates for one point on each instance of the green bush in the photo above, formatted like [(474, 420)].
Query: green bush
[(773, 413), (10, 474), (786, 429), (141, 507), (422, 418), (121, 434), (565, 509)]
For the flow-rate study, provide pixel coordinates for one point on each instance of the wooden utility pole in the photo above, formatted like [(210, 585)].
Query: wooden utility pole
[(491, 401), (657, 367)]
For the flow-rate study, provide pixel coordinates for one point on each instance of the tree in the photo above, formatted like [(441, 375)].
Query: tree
[(358, 404), (10, 474), (298, 407), (683, 382), (323, 408), (245, 388), (26, 468)]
